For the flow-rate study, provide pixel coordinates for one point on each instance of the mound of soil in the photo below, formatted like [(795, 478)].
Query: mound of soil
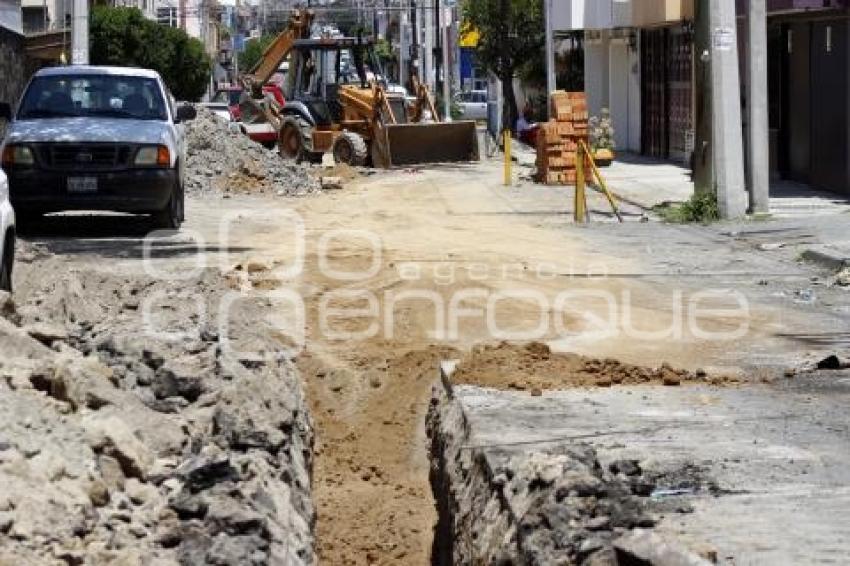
[(534, 366)]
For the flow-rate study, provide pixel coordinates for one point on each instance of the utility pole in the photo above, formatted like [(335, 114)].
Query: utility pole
[(718, 156), (447, 87), (438, 49), (758, 154), (551, 85), (80, 33)]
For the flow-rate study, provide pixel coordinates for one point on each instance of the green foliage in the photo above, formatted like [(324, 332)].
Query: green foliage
[(702, 207), (254, 49), (384, 51), (124, 37), (602, 131), (508, 38)]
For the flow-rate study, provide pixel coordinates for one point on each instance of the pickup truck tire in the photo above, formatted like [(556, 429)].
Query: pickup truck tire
[(7, 263), (170, 217), (350, 148)]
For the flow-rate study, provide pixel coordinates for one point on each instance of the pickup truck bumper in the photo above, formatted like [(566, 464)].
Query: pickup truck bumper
[(133, 190)]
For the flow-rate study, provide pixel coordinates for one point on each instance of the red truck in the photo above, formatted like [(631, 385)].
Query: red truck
[(225, 104)]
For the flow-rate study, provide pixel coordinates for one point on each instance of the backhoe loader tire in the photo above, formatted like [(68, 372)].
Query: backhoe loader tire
[(350, 148), (295, 136)]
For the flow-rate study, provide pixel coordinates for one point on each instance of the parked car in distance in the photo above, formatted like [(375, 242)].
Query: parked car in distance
[(7, 234), (224, 103), (472, 104), (97, 138)]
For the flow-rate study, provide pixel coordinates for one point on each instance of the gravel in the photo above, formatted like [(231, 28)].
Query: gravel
[(221, 160)]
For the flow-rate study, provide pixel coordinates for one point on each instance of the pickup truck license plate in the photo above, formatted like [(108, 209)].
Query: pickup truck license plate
[(82, 184)]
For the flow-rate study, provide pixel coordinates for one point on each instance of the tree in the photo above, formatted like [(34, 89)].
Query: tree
[(253, 50), (511, 33), (124, 37)]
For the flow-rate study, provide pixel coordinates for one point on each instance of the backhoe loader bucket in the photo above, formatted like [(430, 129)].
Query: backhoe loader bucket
[(415, 144)]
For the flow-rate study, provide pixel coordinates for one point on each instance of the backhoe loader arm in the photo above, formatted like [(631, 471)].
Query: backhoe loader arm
[(276, 53)]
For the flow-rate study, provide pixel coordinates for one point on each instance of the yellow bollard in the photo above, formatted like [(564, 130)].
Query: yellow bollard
[(580, 205), (508, 165)]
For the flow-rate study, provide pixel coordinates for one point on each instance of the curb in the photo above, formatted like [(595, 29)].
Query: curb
[(826, 257)]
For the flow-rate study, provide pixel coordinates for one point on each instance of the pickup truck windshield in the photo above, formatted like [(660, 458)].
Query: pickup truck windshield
[(107, 96)]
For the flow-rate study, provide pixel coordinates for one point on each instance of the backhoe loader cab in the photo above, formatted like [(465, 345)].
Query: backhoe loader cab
[(337, 100)]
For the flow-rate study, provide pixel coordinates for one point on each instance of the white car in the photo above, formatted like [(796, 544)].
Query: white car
[(97, 138), (7, 235), (473, 104)]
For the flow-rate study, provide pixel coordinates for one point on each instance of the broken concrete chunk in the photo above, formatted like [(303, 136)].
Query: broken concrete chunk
[(112, 436), (7, 306), (645, 547), (180, 378), (332, 183), (46, 333)]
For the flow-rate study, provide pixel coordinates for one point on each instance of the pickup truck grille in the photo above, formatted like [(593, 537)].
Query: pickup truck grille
[(85, 157)]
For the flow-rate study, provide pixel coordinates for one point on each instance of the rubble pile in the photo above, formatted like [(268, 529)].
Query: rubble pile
[(222, 160), (123, 445)]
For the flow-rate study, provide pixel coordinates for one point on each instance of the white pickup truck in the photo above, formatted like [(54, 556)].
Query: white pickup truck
[(97, 138)]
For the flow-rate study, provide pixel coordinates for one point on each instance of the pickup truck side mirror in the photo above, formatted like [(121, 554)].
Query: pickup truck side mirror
[(185, 113), (5, 112)]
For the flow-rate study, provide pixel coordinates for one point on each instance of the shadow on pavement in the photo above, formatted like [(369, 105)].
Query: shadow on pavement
[(112, 236)]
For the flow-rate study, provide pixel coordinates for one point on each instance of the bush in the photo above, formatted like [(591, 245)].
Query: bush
[(124, 37), (702, 207)]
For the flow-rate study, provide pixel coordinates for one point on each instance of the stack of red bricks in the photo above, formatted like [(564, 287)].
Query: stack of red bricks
[(557, 139)]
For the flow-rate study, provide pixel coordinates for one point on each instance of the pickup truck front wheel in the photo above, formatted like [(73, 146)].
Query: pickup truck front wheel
[(170, 217)]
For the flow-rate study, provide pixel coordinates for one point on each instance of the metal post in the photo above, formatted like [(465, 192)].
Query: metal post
[(506, 139), (726, 112), (551, 84), (758, 153), (447, 79), (80, 33), (403, 48), (580, 200)]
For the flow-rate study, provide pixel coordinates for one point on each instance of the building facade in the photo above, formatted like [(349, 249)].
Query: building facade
[(12, 54), (639, 65), (808, 90)]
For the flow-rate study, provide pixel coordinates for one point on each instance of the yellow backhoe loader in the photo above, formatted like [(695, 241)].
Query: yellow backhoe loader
[(337, 99)]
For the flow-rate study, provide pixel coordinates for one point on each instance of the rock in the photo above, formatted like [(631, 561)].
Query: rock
[(227, 550), (46, 333), (98, 493), (110, 472), (832, 362), (112, 436), (598, 523), (203, 471), (234, 518), (180, 378), (331, 183), (7, 307), (670, 378), (255, 266), (138, 492), (188, 505), (625, 467), (7, 519), (645, 547)]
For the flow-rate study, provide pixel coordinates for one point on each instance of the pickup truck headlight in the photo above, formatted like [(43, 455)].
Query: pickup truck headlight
[(153, 156), (17, 156)]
